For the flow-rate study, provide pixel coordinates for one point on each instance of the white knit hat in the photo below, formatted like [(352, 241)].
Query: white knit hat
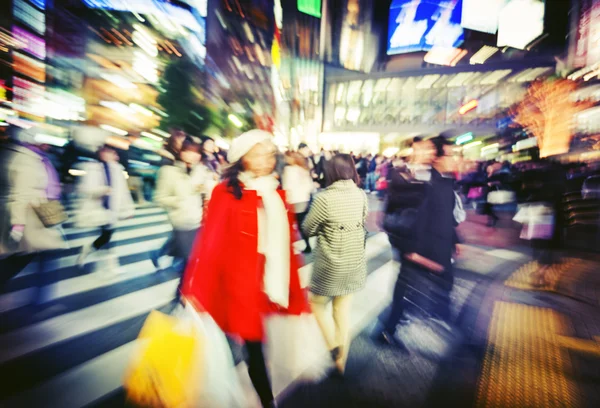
[(245, 142)]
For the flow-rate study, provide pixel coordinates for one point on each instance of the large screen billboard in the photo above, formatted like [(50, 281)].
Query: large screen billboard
[(419, 25), (520, 22), (482, 15)]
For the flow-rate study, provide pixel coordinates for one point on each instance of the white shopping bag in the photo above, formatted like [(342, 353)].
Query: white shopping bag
[(295, 351), (221, 387)]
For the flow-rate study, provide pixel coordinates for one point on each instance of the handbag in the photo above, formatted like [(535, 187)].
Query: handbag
[(51, 213), (165, 372), (401, 228), (475, 193), (381, 184), (498, 197)]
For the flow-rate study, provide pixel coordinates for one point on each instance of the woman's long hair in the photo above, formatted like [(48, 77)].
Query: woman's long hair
[(230, 176)]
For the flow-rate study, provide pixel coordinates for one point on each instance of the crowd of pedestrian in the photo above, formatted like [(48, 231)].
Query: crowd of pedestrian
[(236, 216)]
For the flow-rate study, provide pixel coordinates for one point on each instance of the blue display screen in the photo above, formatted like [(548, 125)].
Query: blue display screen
[(419, 25), (39, 3)]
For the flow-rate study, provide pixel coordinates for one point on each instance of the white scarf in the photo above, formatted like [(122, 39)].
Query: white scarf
[(273, 237)]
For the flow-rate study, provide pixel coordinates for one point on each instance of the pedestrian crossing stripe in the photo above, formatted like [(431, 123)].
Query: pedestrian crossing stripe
[(75, 352)]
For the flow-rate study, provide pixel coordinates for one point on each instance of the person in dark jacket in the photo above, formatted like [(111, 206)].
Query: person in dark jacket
[(429, 257)]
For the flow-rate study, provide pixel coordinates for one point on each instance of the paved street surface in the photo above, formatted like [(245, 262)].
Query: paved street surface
[(74, 351)]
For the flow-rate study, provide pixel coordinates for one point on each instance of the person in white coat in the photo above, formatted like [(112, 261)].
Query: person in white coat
[(181, 196), (298, 184), (27, 180), (105, 199)]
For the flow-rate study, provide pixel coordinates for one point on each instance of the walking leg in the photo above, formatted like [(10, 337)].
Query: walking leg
[(318, 305), (257, 369), (341, 317)]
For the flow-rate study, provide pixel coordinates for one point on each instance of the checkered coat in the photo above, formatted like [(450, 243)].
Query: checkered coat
[(337, 218)]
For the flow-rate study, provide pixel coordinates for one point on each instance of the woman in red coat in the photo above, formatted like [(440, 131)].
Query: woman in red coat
[(243, 266)]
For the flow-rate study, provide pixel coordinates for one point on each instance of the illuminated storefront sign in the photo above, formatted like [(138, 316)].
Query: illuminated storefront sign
[(30, 16), (419, 25), (444, 56), (588, 34), (29, 67), (62, 105), (520, 22), (482, 15), (41, 4), (31, 43), (2, 90), (28, 97), (310, 7)]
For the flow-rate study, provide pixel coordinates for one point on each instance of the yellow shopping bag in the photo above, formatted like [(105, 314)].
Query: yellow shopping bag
[(166, 370)]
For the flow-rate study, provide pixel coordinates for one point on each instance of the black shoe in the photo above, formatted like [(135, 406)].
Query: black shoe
[(308, 250), (388, 339), (335, 353), (154, 260)]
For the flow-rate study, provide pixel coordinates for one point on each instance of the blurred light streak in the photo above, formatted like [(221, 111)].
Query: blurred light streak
[(118, 142), (115, 130), (146, 67), (117, 107), (235, 120), (114, 39), (146, 44), (152, 136), (444, 56), (76, 172), (471, 145), (99, 34), (469, 106), (172, 47), (140, 18), (221, 21), (140, 109), (159, 112), (249, 33), (121, 36), (483, 54), (462, 139), (161, 132), (489, 147), (119, 81), (144, 32), (50, 140), (29, 67)]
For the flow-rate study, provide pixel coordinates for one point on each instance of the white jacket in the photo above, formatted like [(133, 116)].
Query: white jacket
[(298, 184), (205, 178), (91, 189), (177, 193), (24, 186)]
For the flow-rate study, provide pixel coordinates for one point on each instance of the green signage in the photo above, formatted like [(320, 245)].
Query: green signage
[(310, 7)]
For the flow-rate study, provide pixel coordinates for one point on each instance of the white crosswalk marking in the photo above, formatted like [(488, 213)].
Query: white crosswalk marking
[(98, 307)]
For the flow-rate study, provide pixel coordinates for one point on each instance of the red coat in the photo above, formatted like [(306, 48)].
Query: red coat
[(224, 275)]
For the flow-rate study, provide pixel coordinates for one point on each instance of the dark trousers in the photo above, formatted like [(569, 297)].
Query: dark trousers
[(14, 264), (300, 218), (104, 237), (257, 369), (432, 289)]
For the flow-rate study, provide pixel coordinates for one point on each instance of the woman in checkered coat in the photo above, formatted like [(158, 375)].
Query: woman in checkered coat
[(337, 218)]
